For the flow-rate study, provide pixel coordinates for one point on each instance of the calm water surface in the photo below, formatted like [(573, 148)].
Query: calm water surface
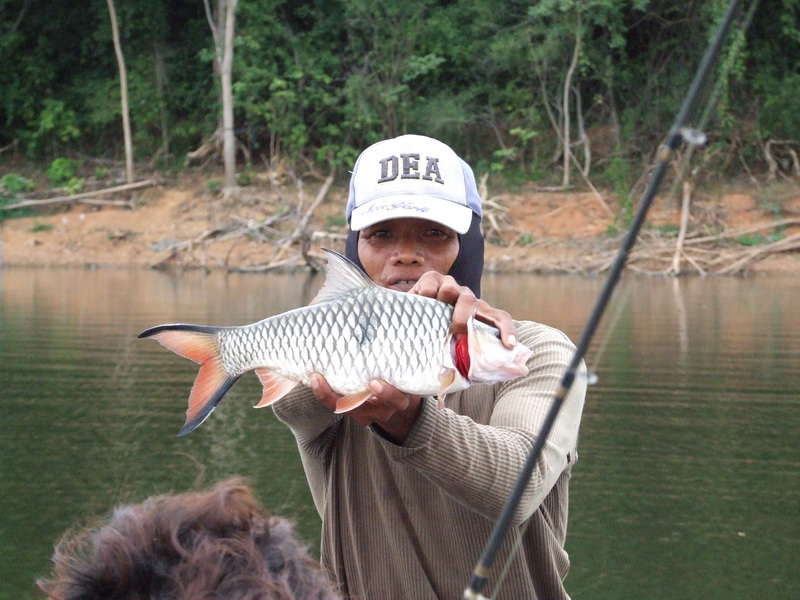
[(688, 483)]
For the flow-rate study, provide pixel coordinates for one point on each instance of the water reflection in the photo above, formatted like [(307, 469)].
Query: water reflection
[(687, 484)]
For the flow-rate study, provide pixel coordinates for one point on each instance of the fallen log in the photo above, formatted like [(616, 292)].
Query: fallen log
[(788, 244), (742, 231), (83, 198)]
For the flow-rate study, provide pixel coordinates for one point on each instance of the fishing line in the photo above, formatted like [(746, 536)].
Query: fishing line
[(677, 133), (621, 303)]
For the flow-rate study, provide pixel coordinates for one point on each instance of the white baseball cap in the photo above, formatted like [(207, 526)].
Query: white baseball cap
[(412, 176)]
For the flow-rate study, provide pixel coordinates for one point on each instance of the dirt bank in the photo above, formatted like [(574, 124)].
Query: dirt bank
[(182, 225)]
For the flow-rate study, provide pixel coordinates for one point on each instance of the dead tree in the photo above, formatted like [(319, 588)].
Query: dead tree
[(223, 33), (123, 92)]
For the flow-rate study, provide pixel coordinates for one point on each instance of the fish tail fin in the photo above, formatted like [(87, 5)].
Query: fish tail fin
[(199, 344)]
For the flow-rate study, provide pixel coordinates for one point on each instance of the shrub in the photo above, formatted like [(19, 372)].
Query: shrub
[(63, 170), (16, 184)]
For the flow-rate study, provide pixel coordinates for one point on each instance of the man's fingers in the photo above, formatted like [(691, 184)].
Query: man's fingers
[(428, 285), (322, 391), (446, 289), (486, 313)]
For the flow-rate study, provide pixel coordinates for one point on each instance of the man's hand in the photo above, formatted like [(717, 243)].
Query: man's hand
[(389, 408), (446, 289)]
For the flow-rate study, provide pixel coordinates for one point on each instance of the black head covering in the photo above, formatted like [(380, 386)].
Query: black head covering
[(468, 266)]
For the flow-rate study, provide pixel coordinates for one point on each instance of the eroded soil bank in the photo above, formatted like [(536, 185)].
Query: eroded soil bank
[(182, 226)]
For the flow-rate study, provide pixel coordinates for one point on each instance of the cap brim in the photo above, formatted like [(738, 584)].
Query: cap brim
[(455, 216)]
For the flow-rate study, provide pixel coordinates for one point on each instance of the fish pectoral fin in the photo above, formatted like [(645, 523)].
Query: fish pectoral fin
[(274, 386), (450, 381), (352, 401)]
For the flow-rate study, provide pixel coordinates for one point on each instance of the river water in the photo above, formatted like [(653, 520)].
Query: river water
[(688, 483)]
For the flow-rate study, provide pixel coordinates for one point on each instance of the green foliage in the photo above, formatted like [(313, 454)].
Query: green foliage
[(56, 123), (321, 80), (335, 222), (37, 227), (667, 228), (245, 178), (501, 157), (758, 239), (618, 174), (780, 115), (62, 170), (74, 185), (12, 183), (525, 239)]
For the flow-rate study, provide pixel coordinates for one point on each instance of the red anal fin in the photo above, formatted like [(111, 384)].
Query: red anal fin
[(352, 401), (275, 386)]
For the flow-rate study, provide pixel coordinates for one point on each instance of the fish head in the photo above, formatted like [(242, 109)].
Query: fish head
[(489, 360)]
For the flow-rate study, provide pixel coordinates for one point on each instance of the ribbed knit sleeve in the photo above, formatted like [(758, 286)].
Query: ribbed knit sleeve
[(475, 448), (307, 417)]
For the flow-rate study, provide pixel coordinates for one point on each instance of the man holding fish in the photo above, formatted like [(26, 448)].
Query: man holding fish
[(409, 492), (420, 401)]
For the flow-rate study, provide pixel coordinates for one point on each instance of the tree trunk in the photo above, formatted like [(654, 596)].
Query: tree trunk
[(229, 139), (565, 106), (123, 89), (222, 30), (161, 70)]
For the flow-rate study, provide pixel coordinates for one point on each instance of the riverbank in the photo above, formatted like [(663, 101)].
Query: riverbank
[(183, 225)]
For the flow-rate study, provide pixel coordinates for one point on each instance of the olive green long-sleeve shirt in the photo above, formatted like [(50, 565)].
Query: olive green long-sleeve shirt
[(411, 521)]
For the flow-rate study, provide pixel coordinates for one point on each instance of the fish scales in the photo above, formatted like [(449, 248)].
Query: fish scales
[(349, 341), (354, 331)]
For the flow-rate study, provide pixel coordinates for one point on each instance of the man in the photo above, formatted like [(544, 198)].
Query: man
[(408, 492)]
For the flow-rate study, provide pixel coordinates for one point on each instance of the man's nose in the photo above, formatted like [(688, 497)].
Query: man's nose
[(407, 252)]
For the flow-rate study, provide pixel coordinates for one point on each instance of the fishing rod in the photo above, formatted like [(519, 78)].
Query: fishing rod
[(679, 132)]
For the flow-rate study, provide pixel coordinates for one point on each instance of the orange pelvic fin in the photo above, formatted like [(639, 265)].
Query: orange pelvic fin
[(275, 386), (352, 401), (197, 343)]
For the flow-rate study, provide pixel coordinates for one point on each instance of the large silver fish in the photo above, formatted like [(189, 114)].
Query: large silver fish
[(352, 332)]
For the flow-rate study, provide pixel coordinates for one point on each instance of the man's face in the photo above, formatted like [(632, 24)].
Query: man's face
[(397, 252)]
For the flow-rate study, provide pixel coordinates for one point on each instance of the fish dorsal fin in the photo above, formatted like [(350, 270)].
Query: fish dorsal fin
[(343, 277)]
